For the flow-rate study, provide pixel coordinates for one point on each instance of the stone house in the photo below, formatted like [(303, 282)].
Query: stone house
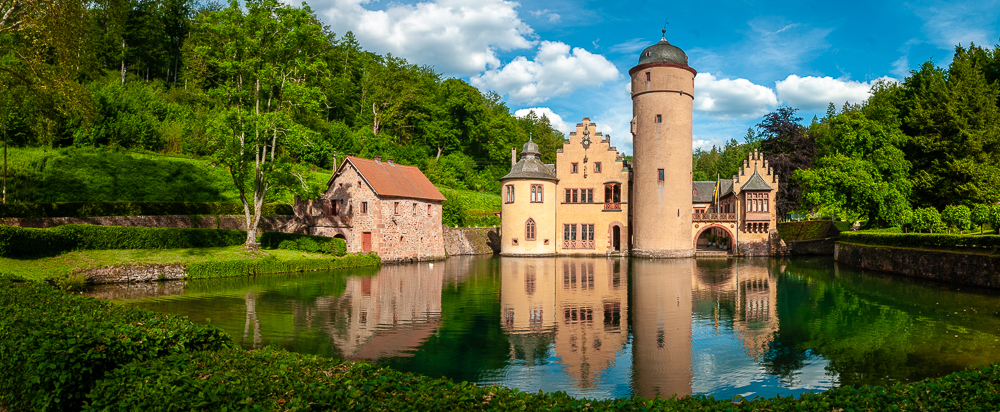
[(378, 206)]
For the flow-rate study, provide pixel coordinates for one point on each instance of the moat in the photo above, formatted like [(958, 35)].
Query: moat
[(599, 328)]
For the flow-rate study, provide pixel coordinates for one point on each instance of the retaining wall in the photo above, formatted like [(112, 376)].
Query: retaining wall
[(967, 268), (267, 223), (471, 241)]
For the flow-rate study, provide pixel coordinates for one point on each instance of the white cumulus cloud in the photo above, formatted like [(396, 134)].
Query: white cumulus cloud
[(458, 37), (555, 71), (731, 98), (554, 119), (816, 93)]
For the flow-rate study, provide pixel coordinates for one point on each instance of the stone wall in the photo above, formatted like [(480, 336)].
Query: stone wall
[(965, 268), (267, 223), (812, 247), (132, 273), (471, 241)]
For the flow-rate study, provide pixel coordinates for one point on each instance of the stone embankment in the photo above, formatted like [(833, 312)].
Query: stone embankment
[(471, 240), (967, 268), (816, 237), (268, 223)]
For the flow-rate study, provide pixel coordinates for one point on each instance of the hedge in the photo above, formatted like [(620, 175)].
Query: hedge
[(21, 242), (89, 209), (306, 243), (56, 346), (269, 264), (923, 240), (272, 379)]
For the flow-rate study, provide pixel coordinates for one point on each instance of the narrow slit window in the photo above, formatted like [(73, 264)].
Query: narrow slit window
[(647, 76), (659, 175), (659, 118)]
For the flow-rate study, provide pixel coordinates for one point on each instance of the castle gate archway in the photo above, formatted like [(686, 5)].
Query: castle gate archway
[(718, 227)]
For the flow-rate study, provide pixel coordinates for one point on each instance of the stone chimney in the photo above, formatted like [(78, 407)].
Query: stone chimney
[(513, 157)]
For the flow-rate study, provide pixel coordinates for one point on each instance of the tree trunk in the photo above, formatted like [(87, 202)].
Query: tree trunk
[(123, 62), (5, 163)]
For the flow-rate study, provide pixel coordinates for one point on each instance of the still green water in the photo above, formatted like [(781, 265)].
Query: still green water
[(597, 327)]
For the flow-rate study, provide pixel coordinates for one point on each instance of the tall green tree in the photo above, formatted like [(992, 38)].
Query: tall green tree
[(259, 61), (861, 172), (953, 122), (787, 147)]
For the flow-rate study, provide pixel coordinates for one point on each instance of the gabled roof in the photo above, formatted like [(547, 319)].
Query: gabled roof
[(393, 180), (756, 183), (702, 191), (705, 189)]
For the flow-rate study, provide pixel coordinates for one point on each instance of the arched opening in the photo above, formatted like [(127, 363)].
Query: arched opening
[(714, 238), (340, 236), (616, 235)]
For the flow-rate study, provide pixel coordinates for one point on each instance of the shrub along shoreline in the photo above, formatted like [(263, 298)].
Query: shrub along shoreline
[(68, 353)]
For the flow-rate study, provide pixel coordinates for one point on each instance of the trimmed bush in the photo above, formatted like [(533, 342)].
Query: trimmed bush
[(271, 265), (807, 230), (20, 242), (85, 209), (305, 243), (272, 380), (923, 240), (56, 346)]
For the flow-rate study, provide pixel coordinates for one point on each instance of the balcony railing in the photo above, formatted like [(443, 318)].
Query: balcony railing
[(578, 244), (714, 217), (612, 206)]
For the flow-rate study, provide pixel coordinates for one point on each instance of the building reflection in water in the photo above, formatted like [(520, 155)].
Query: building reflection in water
[(579, 304), (388, 314)]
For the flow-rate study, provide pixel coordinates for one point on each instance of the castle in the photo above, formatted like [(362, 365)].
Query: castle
[(557, 209)]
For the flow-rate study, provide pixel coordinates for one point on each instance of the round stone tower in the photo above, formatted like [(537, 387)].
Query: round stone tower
[(528, 224), (662, 103)]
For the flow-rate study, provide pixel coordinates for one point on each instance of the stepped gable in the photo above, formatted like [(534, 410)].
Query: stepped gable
[(389, 179)]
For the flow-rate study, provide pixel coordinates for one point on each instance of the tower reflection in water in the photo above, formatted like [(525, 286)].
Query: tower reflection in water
[(578, 308)]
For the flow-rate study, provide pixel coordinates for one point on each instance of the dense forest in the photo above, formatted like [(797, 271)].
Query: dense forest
[(930, 141), (168, 76)]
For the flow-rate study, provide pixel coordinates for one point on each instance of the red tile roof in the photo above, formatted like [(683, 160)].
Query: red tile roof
[(395, 180)]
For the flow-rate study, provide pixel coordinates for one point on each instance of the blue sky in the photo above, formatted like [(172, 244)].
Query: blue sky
[(570, 58)]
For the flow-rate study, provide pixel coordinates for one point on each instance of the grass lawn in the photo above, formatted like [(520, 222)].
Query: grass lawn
[(58, 266)]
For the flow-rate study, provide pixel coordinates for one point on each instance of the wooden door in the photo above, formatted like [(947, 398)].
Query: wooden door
[(366, 242)]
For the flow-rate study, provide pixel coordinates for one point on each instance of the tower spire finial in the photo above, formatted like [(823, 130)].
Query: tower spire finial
[(664, 31)]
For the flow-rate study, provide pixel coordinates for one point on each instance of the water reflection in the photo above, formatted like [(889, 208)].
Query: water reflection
[(578, 304), (661, 327), (385, 315), (598, 327)]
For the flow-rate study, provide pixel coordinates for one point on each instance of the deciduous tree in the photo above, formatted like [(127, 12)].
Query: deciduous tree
[(980, 216), (259, 61)]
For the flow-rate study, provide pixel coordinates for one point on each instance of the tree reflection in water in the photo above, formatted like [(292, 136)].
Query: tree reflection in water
[(601, 327)]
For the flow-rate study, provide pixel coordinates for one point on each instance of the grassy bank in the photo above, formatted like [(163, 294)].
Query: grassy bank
[(232, 257)]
